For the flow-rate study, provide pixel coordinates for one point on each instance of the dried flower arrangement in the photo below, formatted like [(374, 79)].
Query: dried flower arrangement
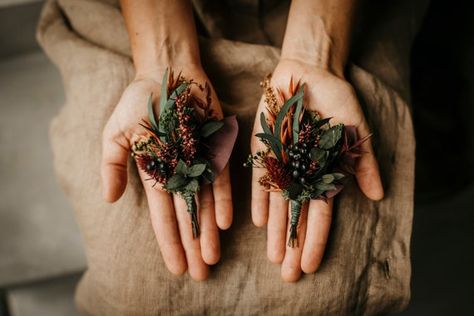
[(186, 145), (305, 157)]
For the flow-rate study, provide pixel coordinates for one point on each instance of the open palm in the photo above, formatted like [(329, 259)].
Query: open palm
[(168, 213), (334, 97)]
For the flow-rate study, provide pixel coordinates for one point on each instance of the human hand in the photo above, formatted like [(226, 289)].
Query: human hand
[(169, 216), (334, 97)]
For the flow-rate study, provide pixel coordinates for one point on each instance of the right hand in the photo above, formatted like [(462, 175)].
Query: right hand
[(169, 216), (334, 97)]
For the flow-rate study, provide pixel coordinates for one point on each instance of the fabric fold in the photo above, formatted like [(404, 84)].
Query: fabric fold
[(366, 269)]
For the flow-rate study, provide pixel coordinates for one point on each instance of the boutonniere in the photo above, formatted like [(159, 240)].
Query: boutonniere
[(305, 157), (186, 145)]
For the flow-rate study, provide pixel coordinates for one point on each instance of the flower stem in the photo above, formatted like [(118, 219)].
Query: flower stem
[(192, 210), (295, 217)]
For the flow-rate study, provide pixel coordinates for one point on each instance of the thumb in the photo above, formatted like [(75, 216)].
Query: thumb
[(367, 169), (115, 152)]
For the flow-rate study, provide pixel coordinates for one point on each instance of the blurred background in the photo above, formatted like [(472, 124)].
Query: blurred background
[(41, 257)]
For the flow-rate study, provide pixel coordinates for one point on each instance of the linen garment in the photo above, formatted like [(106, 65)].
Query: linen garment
[(366, 268)]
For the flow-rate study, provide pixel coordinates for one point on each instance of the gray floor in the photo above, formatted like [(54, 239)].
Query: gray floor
[(39, 237), (51, 297), (33, 208)]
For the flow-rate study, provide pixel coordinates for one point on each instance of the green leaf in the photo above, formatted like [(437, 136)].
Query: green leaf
[(192, 186), (168, 106), (275, 143), (211, 127), (164, 92), (316, 193), (263, 122), (338, 176), (176, 182), (284, 109), (182, 168), (328, 178), (331, 137), (163, 101), (196, 170), (157, 132), (296, 122), (318, 154), (172, 99), (151, 113), (325, 186)]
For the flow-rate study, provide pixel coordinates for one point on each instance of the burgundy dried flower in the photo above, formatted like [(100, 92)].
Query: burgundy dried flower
[(278, 173)]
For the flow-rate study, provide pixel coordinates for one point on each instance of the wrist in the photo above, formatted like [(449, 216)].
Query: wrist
[(318, 33), (157, 57), (156, 71), (162, 34), (317, 49)]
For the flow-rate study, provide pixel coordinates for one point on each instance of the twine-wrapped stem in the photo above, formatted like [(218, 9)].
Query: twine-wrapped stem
[(190, 200), (295, 217)]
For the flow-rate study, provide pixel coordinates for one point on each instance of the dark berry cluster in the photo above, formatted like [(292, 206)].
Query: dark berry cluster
[(300, 161), (156, 165)]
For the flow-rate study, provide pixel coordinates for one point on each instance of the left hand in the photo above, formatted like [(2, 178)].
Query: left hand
[(170, 219)]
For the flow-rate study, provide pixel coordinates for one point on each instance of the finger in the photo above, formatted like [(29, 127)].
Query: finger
[(317, 232), (210, 246), (276, 228), (115, 152), (222, 191), (197, 268), (259, 204), (259, 199), (367, 169), (291, 266), (163, 219)]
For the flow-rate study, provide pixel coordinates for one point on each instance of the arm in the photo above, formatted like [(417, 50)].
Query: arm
[(318, 33), (315, 50), (162, 34)]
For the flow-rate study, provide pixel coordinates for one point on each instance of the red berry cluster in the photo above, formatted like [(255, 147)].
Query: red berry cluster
[(185, 128)]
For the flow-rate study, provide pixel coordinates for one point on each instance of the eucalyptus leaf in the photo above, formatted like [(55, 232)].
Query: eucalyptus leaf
[(169, 105), (164, 92), (331, 136), (175, 182), (325, 186), (296, 121), (338, 176), (196, 170), (263, 122), (151, 113), (192, 186), (211, 127), (318, 154), (275, 143), (181, 168), (284, 109), (328, 178), (172, 99), (316, 193), (157, 132)]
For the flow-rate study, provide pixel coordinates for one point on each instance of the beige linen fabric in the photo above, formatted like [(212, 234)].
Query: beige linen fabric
[(366, 269)]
